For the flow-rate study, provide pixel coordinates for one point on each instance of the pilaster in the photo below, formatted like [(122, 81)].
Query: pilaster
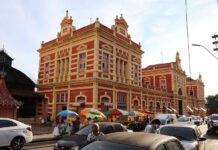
[(95, 94)]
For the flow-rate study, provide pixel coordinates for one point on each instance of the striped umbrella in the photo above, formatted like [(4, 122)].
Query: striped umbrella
[(91, 113)]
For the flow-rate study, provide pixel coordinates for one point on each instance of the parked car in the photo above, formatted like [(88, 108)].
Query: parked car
[(197, 120), (212, 124), (79, 139), (14, 134), (189, 135), (166, 118), (135, 141), (136, 126), (185, 120)]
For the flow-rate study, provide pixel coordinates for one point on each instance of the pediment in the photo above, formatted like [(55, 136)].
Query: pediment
[(107, 47), (82, 47), (47, 58)]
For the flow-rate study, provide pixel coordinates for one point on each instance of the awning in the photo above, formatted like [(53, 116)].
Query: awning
[(108, 104), (196, 108), (78, 104), (169, 109), (173, 109), (190, 109), (203, 109)]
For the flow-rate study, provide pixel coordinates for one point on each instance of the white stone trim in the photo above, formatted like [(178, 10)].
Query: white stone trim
[(80, 95)]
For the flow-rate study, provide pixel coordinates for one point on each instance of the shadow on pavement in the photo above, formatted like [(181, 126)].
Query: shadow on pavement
[(213, 136)]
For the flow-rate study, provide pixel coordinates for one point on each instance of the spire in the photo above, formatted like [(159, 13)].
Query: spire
[(200, 76), (121, 25), (178, 60), (66, 24), (178, 57), (121, 21), (66, 13)]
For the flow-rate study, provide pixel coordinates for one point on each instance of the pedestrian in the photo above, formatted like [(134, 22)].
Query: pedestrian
[(76, 125), (49, 120), (96, 119), (90, 121), (153, 126), (94, 134), (42, 121)]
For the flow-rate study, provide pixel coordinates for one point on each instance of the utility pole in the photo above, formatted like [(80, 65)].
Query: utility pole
[(215, 37)]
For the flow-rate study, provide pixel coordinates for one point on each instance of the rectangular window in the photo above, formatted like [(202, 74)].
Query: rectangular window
[(61, 97), (46, 70), (163, 83), (122, 31), (105, 62), (191, 92), (135, 72), (82, 62)]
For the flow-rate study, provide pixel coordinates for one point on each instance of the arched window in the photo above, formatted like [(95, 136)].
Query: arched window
[(157, 106), (135, 104), (105, 103), (81, 99), (150, 106), (104, 100), (143, 105), (180, 92), (164, 108)]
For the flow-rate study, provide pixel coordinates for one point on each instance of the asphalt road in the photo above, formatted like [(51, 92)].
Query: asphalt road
[(211, 142), (47, 145)]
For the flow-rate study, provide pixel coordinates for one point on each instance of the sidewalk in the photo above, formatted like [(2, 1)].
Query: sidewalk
[(42, 133)]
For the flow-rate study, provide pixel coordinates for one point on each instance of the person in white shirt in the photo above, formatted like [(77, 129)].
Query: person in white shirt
[(95, 133), (153, 126)]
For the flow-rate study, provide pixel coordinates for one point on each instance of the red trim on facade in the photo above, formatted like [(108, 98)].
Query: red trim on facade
[(105, 85), (49, 43), (84, 29), (90, 74)]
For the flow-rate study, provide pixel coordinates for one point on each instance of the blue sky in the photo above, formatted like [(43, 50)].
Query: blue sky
[(158, 24)]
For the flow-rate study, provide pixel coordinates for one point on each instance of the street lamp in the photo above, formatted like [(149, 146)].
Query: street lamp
[(199, 45)]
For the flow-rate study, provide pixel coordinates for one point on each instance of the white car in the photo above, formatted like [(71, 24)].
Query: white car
[(14, 133), (185, 120), (189, 135)]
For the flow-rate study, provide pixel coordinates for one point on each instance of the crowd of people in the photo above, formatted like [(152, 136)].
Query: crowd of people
[(63, 126)]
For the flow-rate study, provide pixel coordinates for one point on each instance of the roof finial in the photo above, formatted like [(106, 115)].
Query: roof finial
[(121, 16), (91, 20), (66, 13)]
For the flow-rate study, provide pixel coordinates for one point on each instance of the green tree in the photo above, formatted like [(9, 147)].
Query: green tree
[(212, 103)]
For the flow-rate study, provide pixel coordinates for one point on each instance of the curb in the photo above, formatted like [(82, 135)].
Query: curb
[(45, 139)]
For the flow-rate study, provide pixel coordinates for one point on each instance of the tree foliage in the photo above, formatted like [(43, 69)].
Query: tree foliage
[(212, 102)]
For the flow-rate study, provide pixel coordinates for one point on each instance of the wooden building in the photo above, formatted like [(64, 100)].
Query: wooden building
[(20, 87), (8, 105)]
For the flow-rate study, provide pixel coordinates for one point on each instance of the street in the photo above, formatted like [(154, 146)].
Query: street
[(47, 145), (211, 142)]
